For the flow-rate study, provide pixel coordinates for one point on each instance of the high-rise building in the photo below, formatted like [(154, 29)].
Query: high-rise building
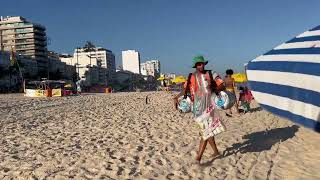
[(131, 61), (150, 68), (25, 38)]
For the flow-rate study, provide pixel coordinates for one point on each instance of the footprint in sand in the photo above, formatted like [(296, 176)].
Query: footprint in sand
[(136, 159), (120, 170), (159, 162), (111, 155), (148, 162), (140, 148), (169, 176), (122, 159), (133, 171)]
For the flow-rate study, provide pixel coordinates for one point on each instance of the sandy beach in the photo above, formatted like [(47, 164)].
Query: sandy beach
[(119, 136)]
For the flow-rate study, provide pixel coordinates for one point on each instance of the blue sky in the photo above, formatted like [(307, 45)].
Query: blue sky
[(228, 33)]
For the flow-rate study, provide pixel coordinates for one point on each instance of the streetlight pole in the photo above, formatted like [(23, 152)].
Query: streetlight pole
[(77, 65), (90, 56), (1, 44), (48, 67)]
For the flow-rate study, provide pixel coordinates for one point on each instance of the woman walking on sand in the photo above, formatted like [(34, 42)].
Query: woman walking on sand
[(200, 85)]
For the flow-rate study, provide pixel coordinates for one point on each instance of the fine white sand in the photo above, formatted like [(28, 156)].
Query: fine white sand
[(103, 136)]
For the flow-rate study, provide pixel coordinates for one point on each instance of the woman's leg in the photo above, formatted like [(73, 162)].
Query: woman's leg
[(201, 141), (198, 152), (202, 147), (236, 105), (213, 145)]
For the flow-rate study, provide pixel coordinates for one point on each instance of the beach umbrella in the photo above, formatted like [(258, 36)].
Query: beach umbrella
[(179, 79), (161, 78), (239, 77), (286, 80)]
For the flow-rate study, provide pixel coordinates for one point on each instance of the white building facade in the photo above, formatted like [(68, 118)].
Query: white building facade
[(150, 68), (98, 60), (131, 61), (106, 56), (93, 74)]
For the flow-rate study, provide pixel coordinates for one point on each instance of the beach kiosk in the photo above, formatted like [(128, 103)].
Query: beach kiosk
[(47, 88), (37, 89)]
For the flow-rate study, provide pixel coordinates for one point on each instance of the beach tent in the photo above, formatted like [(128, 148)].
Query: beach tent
[(239, 77), (286, 80), (179, 79)]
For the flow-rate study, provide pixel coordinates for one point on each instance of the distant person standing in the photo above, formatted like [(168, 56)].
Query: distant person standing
[(78, 84), (230, 86), (164, 83)]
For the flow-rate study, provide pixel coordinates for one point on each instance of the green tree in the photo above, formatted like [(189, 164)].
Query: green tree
[(3, 72), (27, 75), (89, 47), (42, 74), (75, 77), (57, 75)]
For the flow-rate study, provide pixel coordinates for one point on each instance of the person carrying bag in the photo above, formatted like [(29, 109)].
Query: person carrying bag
[(202, 86)]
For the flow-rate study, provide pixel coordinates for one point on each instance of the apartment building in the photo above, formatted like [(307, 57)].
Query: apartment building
[(151, 68), (24, 38)]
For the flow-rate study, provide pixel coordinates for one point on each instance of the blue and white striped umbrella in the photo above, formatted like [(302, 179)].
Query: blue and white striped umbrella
[(286, 80)]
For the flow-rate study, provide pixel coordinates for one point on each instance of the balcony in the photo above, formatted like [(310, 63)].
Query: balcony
[(24, 42), (30, 36), (16, 31), (30, 47), (25, 47), (30, 41), (5, 33), (42, 43), (43, 38), (16, 26), (8, 37), (33, 53), (24, 32), (39, 31), (24, 36)]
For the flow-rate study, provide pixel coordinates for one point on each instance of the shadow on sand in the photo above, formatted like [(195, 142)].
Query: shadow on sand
[(251, 110), (262, 140), (255, 109)]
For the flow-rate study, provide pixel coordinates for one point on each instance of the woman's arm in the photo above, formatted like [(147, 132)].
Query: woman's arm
[(176, 97)]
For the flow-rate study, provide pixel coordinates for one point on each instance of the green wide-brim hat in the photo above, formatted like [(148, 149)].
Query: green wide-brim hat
[(198, 59)]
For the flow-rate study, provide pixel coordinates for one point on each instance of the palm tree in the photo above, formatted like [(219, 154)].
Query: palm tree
[(89, 47), (3, 72)]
